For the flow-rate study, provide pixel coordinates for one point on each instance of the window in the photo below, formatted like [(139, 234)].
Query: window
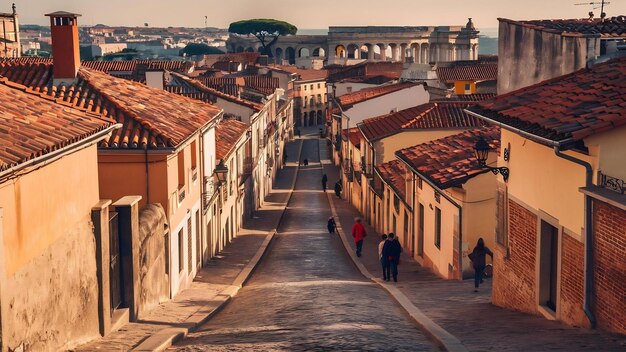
[(305, 87), (319, 85), (194, 155), (181, 253), (394, 225), (189, 245), (437, 227), (396, 203), (468, 86), (181, 168), (419, 183), (311, 87)]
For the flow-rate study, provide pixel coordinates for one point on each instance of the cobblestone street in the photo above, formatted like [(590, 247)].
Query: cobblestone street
[(306, 294)]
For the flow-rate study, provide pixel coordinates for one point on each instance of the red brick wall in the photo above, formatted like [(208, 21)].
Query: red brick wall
[(572, 281), (610, 275), (514, 277)]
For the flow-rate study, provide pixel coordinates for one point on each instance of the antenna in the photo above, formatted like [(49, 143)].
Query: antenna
[(595, 5), (206, 26)]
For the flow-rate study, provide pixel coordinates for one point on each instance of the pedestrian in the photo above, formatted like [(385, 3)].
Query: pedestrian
[(391, 251), (338, 189), (332, 225), (324, 182), (306, 162), (383, 260), (358, 233), (479, 261), (298, 132)]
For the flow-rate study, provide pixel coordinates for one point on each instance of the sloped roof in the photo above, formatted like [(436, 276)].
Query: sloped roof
[(440, 115), (227, 133), (573, 106), (609, 27), (302, 73), (450, 161), (31, 126), (473, 71), (353, 134), (392, 173), (151, 118), (348, 100)]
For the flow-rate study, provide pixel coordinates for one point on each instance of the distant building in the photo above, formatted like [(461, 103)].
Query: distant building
[(9, 35)]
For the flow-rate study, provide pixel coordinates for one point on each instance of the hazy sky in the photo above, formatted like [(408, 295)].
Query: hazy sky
[(306, 13)]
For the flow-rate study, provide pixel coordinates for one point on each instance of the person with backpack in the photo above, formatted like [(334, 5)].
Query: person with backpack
[(358, 233), (479, 261), (338, 189), (391, 251)]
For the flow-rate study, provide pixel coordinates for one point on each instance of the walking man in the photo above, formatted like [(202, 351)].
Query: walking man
[(298, 132), (358, 233), (383, 260), (338, 189), (332, 225), (479, 261), (392, 250), (324, 182)]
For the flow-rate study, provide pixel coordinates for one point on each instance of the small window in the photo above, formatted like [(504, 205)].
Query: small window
[(319, 85), (311, 87), (467, 86), (181, 168), (437, 227), (194, 155), (181, 252), (419, 183), (305, 87), (396, 203)]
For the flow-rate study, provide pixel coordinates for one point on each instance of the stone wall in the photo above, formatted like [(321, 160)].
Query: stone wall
[(514, 275), (610, 268), (53, 299), (154, 281)]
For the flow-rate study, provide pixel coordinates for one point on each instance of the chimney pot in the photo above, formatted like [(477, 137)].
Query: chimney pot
[(65, 46)]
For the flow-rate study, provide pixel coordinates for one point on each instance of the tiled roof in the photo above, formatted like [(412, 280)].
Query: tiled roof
[(348, 100), (609, 27), (475, 71), (391, 70), (355, 136), (195, 89), (450, 161), (245, 58), (392, 173), (150, 117), (227, 133), (303, 74), (575, 106), (378, 79), (265, 84), (31, 126), (442, 115), (226, 85), (131, 65)]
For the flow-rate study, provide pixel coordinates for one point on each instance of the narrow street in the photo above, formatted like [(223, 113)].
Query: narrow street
[(306, 294)]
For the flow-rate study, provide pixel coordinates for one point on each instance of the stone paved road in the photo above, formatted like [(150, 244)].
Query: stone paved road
[(306, 294)]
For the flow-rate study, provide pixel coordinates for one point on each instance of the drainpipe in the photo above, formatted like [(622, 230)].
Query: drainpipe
[(588, 236), (145, 150)]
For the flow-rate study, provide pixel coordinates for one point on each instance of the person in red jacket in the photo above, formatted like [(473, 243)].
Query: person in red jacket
[(358, 233)]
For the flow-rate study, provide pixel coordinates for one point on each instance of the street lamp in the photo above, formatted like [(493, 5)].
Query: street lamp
[(481, 149), (221, 171)]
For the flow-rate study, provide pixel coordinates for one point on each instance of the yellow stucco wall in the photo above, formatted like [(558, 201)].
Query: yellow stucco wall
[(610, 147), (544, 181), (459, 87), (41, 206)]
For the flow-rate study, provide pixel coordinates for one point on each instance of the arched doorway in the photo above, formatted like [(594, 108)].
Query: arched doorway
[(320, 117), (312, 118), (305, 119), (303, 52), (239, 49), (363, 51), (290, 54), (353, 51), (340, 51), (319, 52), (250, 49), (278, 57)]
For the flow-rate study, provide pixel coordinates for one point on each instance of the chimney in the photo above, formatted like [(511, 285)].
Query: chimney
[(65, 46)]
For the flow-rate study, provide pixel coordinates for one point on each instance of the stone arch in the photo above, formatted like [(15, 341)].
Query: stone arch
[(239, 49), (312, 118), (249, 49), (318, 52), (424, 58), (304, 52), (290, 54), (305, 119), (352, 51), (364, 51), (341, 51), (320, 117), (392, 51), (278, 56)]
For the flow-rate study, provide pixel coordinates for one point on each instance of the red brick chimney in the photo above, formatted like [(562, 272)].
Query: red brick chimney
[(65, 46)]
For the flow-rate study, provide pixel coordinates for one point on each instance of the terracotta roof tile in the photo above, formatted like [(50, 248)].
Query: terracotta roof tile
[(348, 100), (31, 126), (468, 71), (227, 133), (303, 74), (355, 136), (438, 115), (574, 106), (150, 117), (265, 84), (393, 173), (450, 161), (610, 27)]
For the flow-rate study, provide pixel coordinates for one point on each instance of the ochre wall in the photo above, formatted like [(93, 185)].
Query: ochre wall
[(49, 254)]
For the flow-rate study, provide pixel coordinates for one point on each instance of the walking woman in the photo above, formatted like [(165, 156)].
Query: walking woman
[(479, 261), (332, 225)]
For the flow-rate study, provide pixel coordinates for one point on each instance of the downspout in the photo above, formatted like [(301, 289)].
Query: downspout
[(588, 236), (145, 150), (449, 199)]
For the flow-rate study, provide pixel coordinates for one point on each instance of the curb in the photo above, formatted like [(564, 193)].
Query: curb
[(165, 338), (443, 338)]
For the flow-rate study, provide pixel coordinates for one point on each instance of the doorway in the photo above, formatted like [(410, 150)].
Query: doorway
[(548, 265)]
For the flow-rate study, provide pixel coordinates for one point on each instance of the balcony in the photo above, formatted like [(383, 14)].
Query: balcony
[(348, 170)]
